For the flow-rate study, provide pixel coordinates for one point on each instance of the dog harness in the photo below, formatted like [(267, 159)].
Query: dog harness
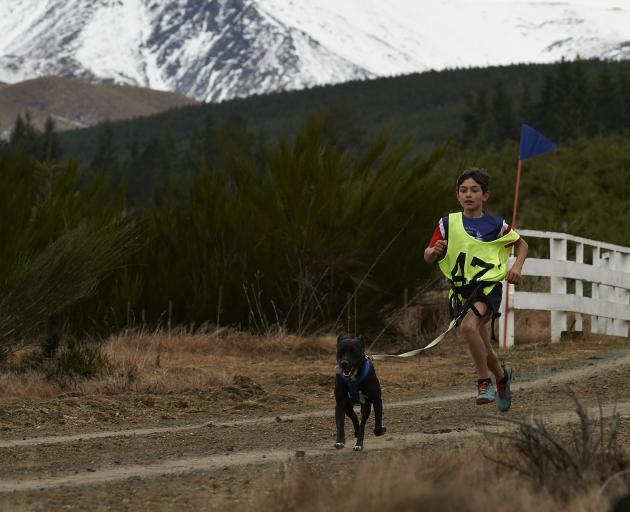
[(352, 385)]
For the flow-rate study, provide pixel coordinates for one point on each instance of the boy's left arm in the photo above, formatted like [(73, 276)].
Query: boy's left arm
[(513, 275)]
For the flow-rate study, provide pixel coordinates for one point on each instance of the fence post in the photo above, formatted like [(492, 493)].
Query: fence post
[(510, 334), (621, 263), (606, 294), (579, 287), (558, 251), (595, 291), (625, 296), (509, 290)]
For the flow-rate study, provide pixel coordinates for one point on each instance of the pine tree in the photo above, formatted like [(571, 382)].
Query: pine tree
[(105, 158), (24, 136), (579, 104), (51, 150), (560, 101), (606, 101), (501, 117), (545, 118), (209, 148), (482, 113), (470, 119), (623, 86), (525, 111)]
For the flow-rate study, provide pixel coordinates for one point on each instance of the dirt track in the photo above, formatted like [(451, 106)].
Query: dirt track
[(207, 454)]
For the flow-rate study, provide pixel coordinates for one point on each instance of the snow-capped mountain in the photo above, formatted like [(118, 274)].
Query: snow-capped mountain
[(214, 50)]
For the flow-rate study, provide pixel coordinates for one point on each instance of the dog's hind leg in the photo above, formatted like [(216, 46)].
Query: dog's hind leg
[(379, 429), (365, 414)]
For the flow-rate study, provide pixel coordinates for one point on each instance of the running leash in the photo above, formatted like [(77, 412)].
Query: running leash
[(451, 326), (411, 353)]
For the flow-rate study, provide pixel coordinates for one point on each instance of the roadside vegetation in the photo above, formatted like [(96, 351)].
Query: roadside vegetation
[(318, 231), (530, 465), (457, 480)]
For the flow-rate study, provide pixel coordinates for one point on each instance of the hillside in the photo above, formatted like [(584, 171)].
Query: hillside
[(75, 104), (425, 106)]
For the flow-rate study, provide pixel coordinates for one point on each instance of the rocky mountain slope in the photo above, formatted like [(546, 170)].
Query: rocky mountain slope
[(220, 49)]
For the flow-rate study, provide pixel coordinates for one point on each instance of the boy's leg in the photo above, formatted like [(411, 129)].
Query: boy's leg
[(470, 332), (502, 374), (492, 360)]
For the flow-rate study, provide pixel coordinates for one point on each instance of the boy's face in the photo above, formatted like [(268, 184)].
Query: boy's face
[(471, 196)]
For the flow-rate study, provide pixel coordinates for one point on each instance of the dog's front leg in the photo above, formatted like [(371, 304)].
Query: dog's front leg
[(353, 417), (340, 420), (379, 429), (365, 414)]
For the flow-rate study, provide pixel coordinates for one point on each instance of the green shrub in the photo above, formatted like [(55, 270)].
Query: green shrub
[(78, 359)]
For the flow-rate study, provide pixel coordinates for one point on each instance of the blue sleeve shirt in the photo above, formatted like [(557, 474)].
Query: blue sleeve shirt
[(485, 228)]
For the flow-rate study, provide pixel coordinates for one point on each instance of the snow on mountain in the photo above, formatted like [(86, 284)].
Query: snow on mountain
[(405, 36), (219, 49)]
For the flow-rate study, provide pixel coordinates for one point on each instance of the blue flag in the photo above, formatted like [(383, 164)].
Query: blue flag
[(533, 143)]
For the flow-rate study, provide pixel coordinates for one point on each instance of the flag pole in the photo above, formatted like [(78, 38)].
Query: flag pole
[(532, 143), (513, 226), (518, 186)]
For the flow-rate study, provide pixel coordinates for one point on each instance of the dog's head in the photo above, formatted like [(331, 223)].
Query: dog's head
[(350, 354)]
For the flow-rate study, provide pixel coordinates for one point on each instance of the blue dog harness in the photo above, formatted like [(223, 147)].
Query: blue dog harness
[(352, 385)]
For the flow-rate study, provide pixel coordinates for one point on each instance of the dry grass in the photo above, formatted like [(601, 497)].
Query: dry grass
[(225, 343), (459, 481), (149, 362), (167, 363), (164, 363), (27, 386)]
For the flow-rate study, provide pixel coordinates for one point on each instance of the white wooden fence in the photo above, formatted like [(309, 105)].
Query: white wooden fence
[(607, 275)]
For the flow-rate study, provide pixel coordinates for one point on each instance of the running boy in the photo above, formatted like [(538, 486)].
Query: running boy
[(473, 248)]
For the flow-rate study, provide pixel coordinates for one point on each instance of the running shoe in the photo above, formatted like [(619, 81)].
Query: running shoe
[(485, 392)]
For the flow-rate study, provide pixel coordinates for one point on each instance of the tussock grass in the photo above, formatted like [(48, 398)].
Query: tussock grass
[(157, 380), (564, 462), (27, 386), (231, 343), (580, 468), (139, 362), (456, 481)]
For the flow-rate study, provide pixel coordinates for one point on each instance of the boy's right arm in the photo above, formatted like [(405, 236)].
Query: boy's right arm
[(437, 246), (432, 254)]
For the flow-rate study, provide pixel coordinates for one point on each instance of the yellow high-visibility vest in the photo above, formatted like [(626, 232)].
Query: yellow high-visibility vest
[(468, 260)]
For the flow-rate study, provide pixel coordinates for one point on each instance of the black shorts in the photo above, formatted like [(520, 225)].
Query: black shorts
[(492, 300)]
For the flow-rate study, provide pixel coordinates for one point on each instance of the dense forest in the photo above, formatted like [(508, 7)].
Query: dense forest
[(428, 107), (571, 101), (229, 222)]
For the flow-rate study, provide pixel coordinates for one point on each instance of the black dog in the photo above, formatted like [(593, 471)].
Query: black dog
[(356, 383)]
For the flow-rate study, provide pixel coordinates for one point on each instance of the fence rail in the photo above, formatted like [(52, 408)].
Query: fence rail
[(600, 288)]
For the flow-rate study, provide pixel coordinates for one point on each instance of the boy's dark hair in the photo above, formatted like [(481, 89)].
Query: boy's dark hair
[(480, 175)]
